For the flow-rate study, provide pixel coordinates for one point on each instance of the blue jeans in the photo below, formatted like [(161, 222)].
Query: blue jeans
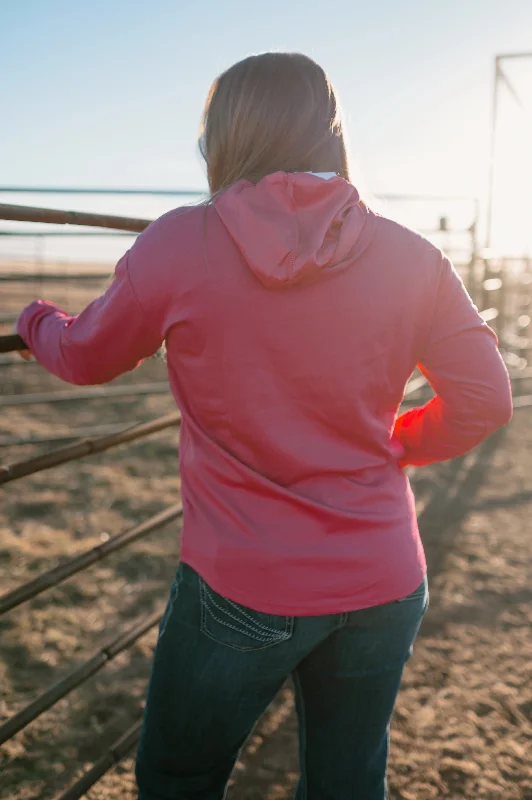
[(218, 665)]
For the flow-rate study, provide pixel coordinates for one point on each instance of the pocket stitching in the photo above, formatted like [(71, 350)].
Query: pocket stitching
[(253, 621), (251, 648), (280, 636), (270, 632), (247, 633)]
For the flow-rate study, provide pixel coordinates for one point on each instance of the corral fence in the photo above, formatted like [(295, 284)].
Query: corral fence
[(503, 288)]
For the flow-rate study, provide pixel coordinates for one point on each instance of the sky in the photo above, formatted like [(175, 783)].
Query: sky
[(110, 92)]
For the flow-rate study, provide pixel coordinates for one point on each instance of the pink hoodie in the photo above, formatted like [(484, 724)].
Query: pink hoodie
[(293, 318)]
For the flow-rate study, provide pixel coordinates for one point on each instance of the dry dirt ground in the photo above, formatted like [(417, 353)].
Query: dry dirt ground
[(463, 726)]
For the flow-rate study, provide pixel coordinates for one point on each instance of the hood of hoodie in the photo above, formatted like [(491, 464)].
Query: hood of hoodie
[(294, 226)]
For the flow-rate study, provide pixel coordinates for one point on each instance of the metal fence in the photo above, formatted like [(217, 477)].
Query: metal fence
[(121, 640)]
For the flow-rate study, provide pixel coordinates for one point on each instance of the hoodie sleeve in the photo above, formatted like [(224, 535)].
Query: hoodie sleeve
[(465, 369), (111, 336)]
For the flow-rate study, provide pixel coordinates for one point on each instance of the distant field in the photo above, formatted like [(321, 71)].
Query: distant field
[(463, 726)]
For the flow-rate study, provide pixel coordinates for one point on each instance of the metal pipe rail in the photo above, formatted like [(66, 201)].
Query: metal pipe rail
[(8, 317), (11, 343), (71, 566), (81, 433), (53, 277), (60, 234), (123, 641), (13, 361), (415, 384), (522, 401), (93, 393), (108, 190), (8, 361), (204, 192), (57, 216), (65, 436), (62, 455), (116, 753)]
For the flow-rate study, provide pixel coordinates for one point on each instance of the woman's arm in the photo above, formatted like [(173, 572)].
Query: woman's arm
[(111, 336), (464, 367)]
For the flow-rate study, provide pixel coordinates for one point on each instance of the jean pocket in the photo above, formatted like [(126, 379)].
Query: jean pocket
[(239, 627), (418, 594)]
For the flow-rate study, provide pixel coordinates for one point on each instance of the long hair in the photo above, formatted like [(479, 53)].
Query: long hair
[(268, 113)]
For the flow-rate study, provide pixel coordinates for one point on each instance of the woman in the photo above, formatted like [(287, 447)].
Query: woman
[(293, 318)]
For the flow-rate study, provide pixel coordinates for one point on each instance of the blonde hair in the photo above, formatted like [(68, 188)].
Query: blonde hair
[(268, 113)]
